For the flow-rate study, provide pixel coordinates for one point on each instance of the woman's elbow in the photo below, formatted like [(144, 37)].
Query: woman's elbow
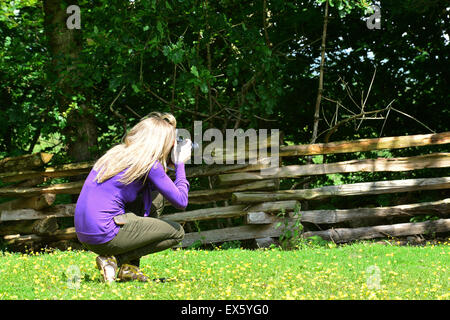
[(182, 204), (181, 207)]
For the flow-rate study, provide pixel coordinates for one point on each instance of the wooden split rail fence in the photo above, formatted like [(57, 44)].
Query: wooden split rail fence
[(32, 217)]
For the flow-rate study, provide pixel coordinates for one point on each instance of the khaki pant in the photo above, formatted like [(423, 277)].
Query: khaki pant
[(139, 235)]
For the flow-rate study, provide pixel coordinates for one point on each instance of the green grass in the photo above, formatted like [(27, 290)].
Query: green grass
[(357, 271)]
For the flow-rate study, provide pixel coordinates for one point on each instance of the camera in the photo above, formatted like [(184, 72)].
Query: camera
[(180, 140)]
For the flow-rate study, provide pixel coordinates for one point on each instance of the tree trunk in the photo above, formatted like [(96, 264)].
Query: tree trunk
[(65, 45), (319, 95)]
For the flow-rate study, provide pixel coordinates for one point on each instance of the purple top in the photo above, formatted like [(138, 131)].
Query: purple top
[(98, 203)]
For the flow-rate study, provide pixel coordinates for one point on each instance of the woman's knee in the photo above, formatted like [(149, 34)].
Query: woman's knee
[(179, 235)]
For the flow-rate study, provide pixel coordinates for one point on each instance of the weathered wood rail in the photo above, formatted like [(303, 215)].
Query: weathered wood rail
[(366, 188), (32, 216), (434, 160), (361, 145)]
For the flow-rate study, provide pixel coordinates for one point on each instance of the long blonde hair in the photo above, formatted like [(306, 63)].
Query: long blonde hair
[(149, 140)]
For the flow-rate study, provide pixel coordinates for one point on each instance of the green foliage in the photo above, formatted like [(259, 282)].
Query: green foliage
[(315, 241), (345, 7), (422, 218), (291, 233), (317, 159), (196, 245), (207, 57), (235, 244)]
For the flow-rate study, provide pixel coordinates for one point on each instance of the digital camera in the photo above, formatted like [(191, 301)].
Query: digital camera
[(180, 140)]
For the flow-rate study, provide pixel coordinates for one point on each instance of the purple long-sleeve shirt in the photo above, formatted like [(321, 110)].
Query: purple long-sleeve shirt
[(99, 203)]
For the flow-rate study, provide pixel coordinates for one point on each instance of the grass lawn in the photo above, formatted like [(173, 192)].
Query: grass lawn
[(357, 271)]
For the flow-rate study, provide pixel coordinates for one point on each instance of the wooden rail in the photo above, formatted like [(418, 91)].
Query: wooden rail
[(245, 232), (436, 208), (25, 162), (366, 145), (73, 169), (434, 160), (60, 210), (363, 188), (195, 197), (340, 235), (230, 211)]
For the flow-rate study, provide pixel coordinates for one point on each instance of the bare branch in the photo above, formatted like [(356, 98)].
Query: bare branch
[(409, 116), (156, 95), (117, 114), (370, 87), (133, 112), (172, 101), (322, 63), (349, 92), (339, 103), (265, 18), (264, 119), (384, 122), (362, 114)]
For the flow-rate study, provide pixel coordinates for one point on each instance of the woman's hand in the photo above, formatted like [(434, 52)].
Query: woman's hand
[(181, 152)]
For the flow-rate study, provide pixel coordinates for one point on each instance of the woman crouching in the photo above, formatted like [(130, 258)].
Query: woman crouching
[(133, 175)]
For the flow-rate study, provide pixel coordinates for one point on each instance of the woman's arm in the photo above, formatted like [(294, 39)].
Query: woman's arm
[(176, 192)]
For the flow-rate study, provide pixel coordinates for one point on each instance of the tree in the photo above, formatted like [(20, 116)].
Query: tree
[(64, 74), (229, 63)]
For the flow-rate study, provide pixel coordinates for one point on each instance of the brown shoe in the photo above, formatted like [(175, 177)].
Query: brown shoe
[(107, 267), (128, 272)]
